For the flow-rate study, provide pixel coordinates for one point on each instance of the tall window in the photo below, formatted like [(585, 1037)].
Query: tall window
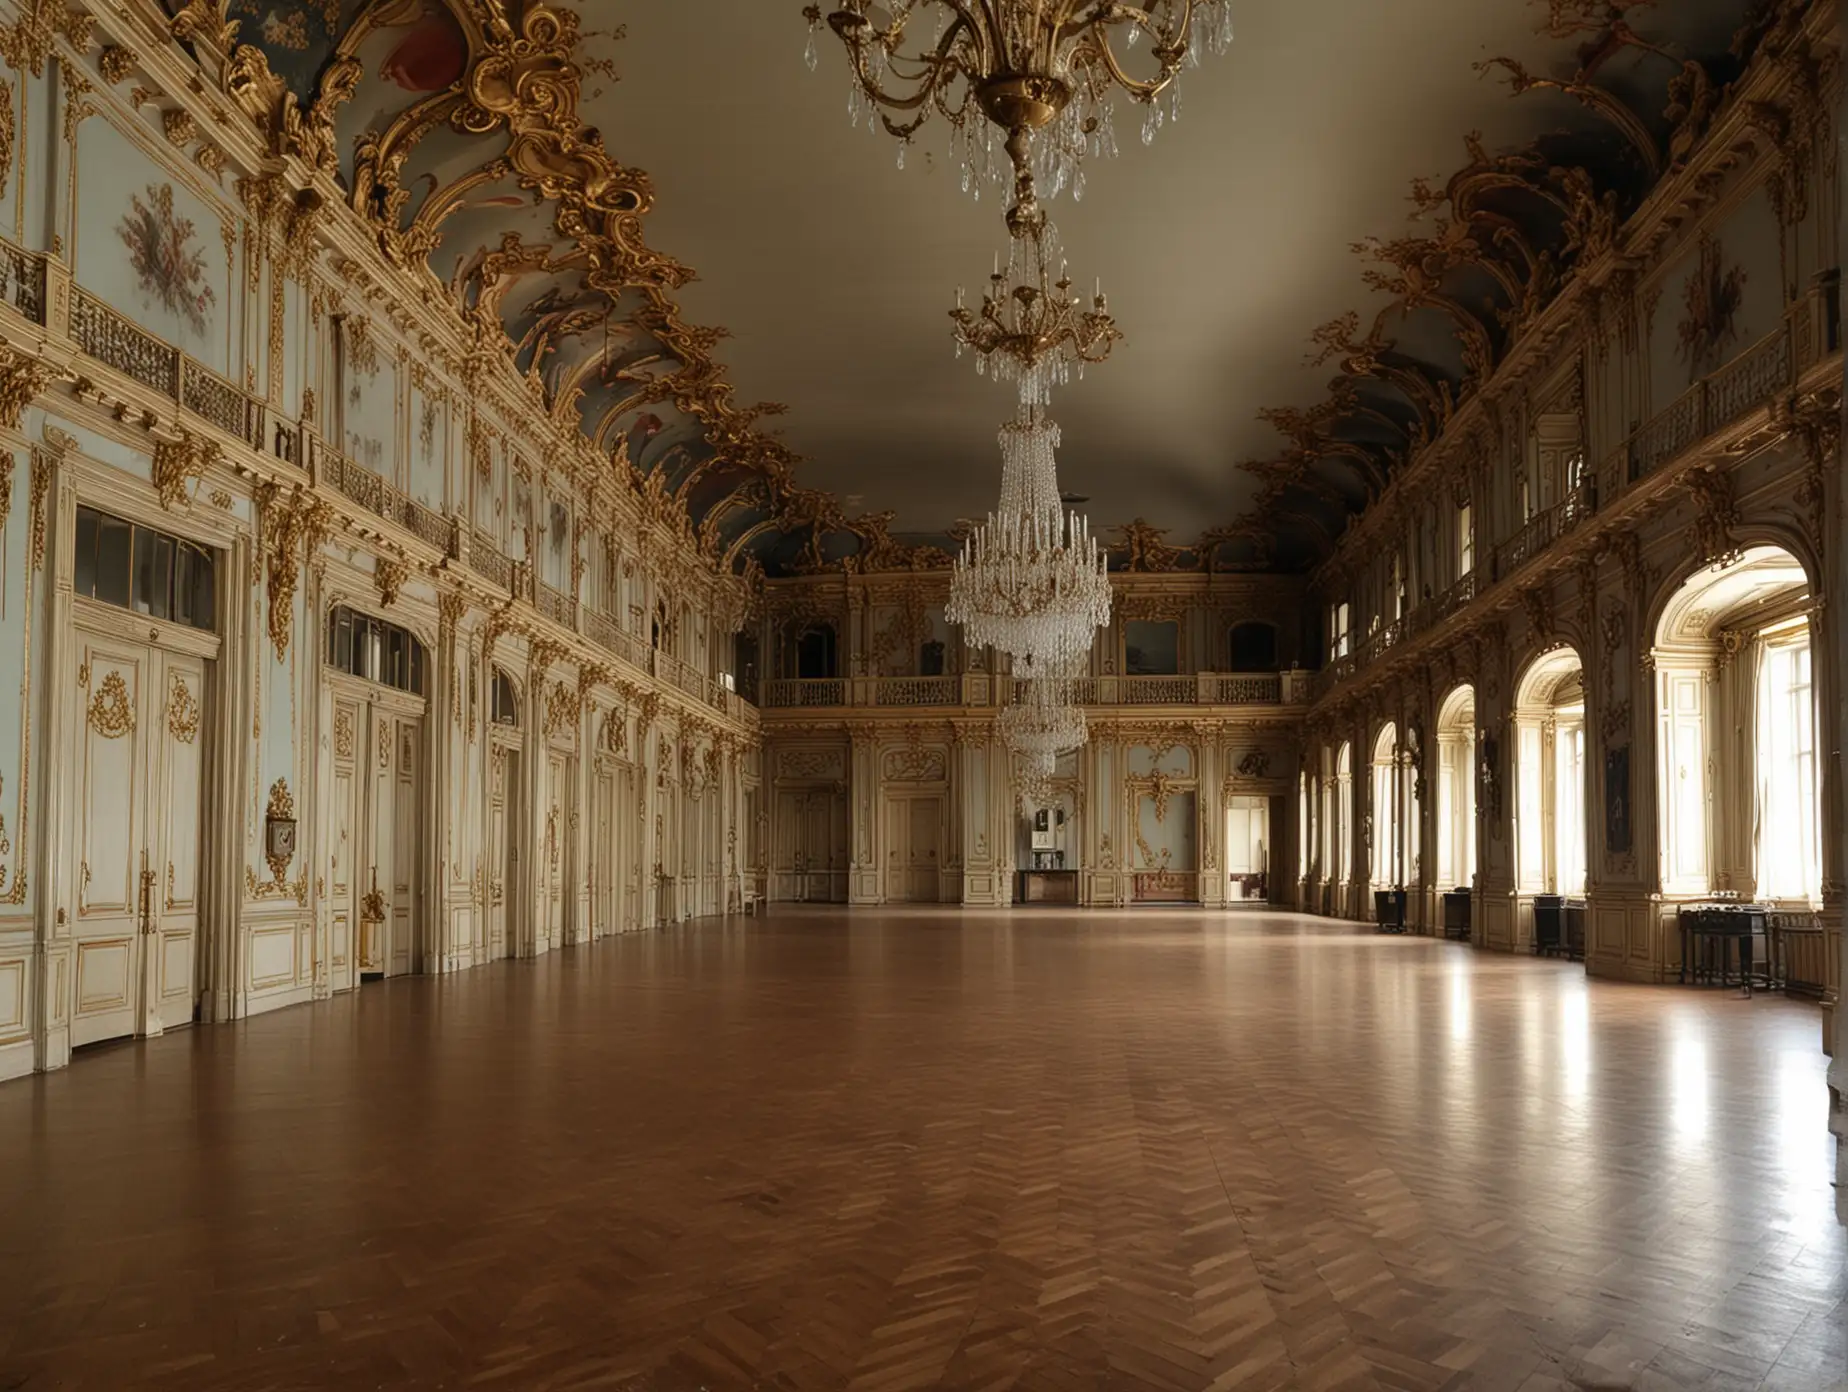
[(815, 653), (1398, 587), (1789, 840), (1151, 648), (1466, 541), (1252, 647), (1339, 640), (1569, 808), (1302, 826)]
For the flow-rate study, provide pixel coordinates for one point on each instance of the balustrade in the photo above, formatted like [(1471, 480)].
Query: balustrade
[(557, 606), (22, 281), (489, 562), (917, 691)]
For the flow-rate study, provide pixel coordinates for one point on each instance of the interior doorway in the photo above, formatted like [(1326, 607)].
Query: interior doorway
[(144, 649), (140, 834), (914, 844), (1248, 850), (375, 677)]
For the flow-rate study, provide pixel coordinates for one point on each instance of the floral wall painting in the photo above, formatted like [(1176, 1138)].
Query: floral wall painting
[(429, 447), (368, 397), (168, 257), (1711, 300)]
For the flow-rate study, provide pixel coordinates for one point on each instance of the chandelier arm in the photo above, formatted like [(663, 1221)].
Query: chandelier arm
[(940, 67), (1141, 91)]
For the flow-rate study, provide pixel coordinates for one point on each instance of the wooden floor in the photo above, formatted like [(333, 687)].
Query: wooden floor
[(921, 1149)]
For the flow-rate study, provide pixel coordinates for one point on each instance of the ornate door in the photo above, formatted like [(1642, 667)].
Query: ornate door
[(922, 850), (603, 855), (557, 844), (137, 842), (114, 878), (406, 796), (175, 833), (503, 844), (344, 860), (380, 840)]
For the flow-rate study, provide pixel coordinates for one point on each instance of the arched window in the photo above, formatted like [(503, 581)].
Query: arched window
[(375, 650), (1252, 647), (1456, 789), (1732, 654), (815, 653), (503, 700), (1550, 775)]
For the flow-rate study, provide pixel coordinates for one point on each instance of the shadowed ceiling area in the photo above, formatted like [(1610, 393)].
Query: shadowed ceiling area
[(1351, 224)]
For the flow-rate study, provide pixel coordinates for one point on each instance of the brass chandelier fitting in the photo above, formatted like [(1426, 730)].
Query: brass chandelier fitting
[(1031, 329), (1041, 71)]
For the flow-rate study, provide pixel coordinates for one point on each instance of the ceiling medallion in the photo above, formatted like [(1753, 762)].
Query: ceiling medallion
[(1042, 72)]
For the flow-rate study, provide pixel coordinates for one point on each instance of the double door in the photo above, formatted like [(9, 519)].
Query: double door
[(811, 845), (914, 839), (377, 808), (141, 729)]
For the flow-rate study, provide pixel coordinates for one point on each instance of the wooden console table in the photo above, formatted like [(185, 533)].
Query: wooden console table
[(1047, 887)]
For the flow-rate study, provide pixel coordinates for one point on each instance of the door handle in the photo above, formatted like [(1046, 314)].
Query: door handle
[(148, 878)]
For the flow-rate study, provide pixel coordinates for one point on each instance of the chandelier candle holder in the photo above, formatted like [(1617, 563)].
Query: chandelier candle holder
[(1041, 73), (1031, 329), (1031, 581)]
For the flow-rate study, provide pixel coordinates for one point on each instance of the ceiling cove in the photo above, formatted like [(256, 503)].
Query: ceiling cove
[(499, 147)]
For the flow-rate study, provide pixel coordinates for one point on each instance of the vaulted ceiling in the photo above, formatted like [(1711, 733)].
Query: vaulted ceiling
[(503, 146)]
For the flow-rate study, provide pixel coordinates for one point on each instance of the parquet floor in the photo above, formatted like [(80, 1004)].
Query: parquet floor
[(920, 1149)]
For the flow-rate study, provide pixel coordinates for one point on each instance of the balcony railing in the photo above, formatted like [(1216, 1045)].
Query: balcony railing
[(489, 562), (22, 281), (377, 496), (557, 606), (1543, 529), (918, 691), (787, 692)]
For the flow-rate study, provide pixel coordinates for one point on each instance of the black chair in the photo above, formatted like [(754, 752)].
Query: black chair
[(1456, 914), (1549, 924), (1389, 910)]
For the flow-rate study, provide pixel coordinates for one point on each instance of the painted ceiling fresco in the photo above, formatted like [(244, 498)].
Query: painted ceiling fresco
[(452, 127)]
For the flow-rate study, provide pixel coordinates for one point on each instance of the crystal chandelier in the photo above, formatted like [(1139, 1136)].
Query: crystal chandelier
[(1041, 72), (1042, 723), (1031, 330), (1030, 581)]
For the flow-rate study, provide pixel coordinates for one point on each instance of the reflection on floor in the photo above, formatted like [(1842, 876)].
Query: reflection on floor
[(932, 1148)]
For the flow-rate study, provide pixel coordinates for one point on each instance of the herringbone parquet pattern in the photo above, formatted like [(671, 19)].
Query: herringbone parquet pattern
[(912, 1150)]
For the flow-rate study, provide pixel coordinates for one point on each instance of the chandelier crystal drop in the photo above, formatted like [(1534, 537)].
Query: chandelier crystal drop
[(1042, 723), (1031, 582), (1041, 73), (1031, 330)]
